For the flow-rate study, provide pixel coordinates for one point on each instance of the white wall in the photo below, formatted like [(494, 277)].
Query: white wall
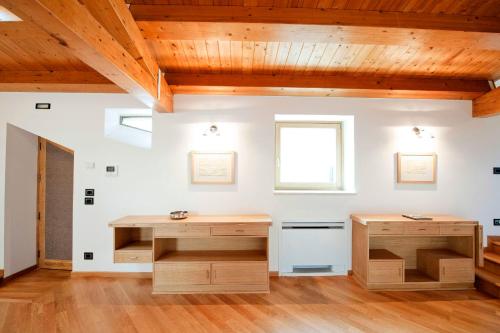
[(156, 181), (20, 200)]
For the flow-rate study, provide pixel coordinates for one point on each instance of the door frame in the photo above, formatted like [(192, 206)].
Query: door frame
[(41, 200)]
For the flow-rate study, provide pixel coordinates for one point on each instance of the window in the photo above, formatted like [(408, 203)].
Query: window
[(143, 123), (309, 156)]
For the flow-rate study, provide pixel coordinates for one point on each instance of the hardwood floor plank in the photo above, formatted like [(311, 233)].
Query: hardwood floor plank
[(55, 301)]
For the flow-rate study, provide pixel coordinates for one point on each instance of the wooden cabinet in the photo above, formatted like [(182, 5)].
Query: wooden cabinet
[(445, 265), (132, 245), (202, 254), (391, 252)]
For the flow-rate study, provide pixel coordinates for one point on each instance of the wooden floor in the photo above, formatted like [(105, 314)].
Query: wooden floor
[(52, 301)]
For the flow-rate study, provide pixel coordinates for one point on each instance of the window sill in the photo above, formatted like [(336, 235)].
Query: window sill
[(312, 192)]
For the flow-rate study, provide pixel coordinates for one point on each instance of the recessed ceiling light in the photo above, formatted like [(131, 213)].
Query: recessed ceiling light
[(7, 16)]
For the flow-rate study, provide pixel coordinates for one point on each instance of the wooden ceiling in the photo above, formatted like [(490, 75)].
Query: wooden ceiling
[(376, 48)]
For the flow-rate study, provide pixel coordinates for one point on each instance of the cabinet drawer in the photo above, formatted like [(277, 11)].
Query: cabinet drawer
[(182, 230), (239, 230), (456, 270), (382, 228), (422, 230), (240, 273), (456, 230), (171, 274), (133, 256), (385, 271)]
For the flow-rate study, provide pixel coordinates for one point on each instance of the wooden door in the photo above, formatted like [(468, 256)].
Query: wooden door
[(55, 205)]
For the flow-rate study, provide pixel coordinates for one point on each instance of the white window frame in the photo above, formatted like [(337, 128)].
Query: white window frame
[(339, 185), (124, 117)]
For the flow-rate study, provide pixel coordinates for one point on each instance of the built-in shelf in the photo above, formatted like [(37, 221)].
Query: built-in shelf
[(442, 253), (414, 275), (144, 245), (383, 254), (180, 256)]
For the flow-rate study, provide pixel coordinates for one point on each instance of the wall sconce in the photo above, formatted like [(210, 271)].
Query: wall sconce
[(422, 133), (212, 131)]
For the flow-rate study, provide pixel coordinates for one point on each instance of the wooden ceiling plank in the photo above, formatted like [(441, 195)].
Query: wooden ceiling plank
[(56, 81), (487, 105), (259, 57), (213, 55), (74, 27)]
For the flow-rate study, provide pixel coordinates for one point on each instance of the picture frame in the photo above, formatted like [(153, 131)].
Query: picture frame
[(416, 168), (216, 168)]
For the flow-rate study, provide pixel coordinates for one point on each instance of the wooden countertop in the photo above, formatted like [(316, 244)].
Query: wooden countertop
[(377, 218), (161, 220)]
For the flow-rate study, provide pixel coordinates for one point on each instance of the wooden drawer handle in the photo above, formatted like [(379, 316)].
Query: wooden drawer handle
[(240, 230), (133, 258), (422, 229), (385, 229)]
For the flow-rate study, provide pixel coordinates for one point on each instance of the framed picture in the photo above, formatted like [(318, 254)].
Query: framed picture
[(212, 168), (417, 168)]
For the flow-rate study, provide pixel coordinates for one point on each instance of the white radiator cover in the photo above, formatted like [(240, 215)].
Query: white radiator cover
[(313, 247)]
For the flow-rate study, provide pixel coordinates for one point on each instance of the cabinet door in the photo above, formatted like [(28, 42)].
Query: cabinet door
[(386, 271), (169, 274), (457, 270), (240, 273)]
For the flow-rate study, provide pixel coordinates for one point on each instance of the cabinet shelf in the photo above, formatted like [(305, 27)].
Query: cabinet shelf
[(382, 254), (414, 275), (209, 256), (143, 245)]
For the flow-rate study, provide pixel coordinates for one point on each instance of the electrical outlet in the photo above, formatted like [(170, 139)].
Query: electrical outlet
[(89, 201), (496, 171), (496, 222), (88, 255), (89, 192)]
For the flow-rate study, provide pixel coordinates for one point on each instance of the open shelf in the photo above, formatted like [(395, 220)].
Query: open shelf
[(226, 255), (383, 254), (414, 275), (144, 245), (442, 254)]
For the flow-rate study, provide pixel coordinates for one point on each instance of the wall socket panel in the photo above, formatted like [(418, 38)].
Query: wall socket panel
[(496, 222), (496, 171), (88, 255)]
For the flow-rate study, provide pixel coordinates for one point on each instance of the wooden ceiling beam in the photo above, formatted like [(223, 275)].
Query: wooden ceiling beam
[(116, 18), (487, 105), (76, 29), (332, 85), (168, 22), (315, 16), (56, 81)]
